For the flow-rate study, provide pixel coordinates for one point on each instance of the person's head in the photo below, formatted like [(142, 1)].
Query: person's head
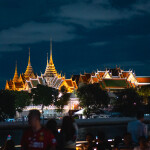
[(89, 137), (127, 138), (140, 115), (52, 125), (34, 118)]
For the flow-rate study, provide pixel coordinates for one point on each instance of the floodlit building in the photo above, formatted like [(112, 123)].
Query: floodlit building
[(29, 79), (18, 82), (51, 78), (112, 79)]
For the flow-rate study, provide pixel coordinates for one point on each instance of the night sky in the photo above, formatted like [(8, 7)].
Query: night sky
[(87, 35)]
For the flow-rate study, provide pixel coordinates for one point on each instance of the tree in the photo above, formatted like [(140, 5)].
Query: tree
[(91, 96), (44, 95), (144, 91), (7, 104), (12, 101), (22, 99), (63, 99), (128, 102)]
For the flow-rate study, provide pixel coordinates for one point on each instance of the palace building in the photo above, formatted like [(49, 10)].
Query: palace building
[(28, 80), (112, 79)]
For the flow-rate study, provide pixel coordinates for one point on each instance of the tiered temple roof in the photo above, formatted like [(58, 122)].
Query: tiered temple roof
[(29, 80), (54, 79), (50, 68), (29, 71), (15, 83), (115, 78), (18, 82), (15, 79)]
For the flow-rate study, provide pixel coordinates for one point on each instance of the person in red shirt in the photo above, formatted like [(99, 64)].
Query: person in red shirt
[(37, 137)]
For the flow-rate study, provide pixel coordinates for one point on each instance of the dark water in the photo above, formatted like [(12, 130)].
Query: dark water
[(110, 131)]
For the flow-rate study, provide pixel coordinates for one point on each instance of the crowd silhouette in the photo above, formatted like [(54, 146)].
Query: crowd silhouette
[(37, 137)]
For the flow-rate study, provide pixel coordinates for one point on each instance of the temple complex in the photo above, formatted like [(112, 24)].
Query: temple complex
[(109, 79), (51, 78)]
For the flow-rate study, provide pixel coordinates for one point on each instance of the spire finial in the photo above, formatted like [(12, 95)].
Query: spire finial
[(29, 63), (51, 59), (15, 79), (47, 59), (16, 67)]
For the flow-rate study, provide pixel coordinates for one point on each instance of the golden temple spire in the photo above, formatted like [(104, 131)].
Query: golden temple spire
[(16, 68), (29, 63), (47, 59), (29, 71), (50, 68), (51, 59), (15, 79)]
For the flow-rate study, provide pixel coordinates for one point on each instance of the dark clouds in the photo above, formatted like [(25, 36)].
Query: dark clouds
[(87, 35)]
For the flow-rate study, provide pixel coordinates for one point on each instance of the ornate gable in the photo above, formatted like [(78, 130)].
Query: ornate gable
[(131, 78), (107, 75)]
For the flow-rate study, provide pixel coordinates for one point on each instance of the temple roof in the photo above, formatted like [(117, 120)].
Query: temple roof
[(69, 82), (101, 74), (15, 78), (10, 84), (50, 68), (34, 82), (58, 83), (87, 75), (95, 79), (29, 71), (75, 85), (115, 83), (18, 85), (143, 79), (125, 74), (47, 70)]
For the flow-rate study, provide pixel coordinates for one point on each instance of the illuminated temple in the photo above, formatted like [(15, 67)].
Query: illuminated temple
[(112, 79), (28, 80), (109, 79), (18, 82)]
